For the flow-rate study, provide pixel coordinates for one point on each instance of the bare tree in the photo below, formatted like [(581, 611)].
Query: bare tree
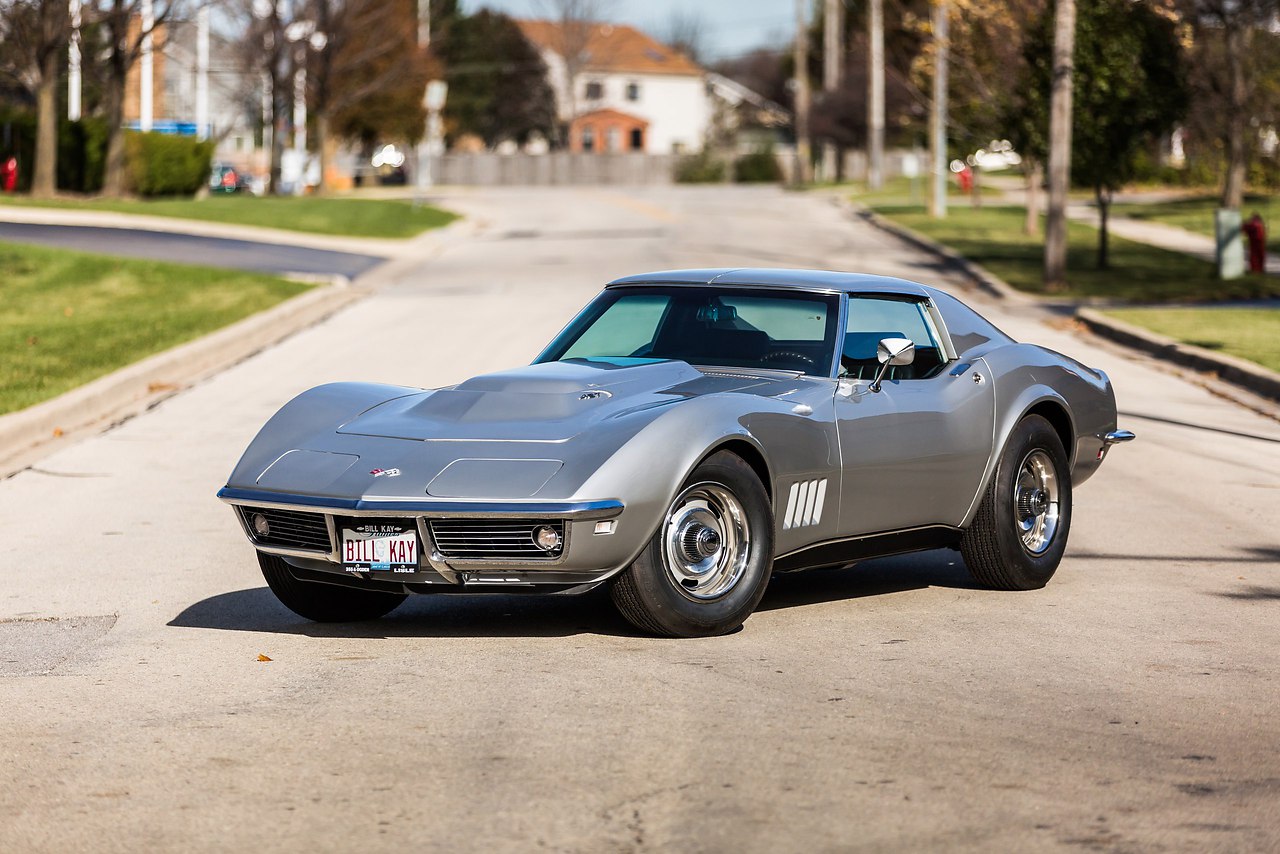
[(1227, 73), (685, 32), (266, 56), (358, 48), (34, 33), (575, 20), (124, 46)]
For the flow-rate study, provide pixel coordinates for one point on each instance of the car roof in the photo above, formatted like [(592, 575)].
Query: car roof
[(811, 280)]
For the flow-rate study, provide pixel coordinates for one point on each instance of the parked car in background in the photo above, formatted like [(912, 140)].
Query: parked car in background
[(226, 178)]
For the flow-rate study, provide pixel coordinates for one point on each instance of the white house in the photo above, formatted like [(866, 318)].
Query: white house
[(632, 92)]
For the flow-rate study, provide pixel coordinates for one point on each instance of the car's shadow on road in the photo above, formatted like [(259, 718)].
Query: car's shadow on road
[(452, 615)]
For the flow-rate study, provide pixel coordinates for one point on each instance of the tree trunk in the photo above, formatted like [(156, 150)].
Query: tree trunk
[(278, 108), (1055, 237), (1035, 177), (1103, 198), (322, 150), (44, 180), (113, 179), (1237, 116)]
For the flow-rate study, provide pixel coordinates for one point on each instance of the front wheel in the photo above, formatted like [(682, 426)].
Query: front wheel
[(706, 568), (325, 603), (1020, 531)]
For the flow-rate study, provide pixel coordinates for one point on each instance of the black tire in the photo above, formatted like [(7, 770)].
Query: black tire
[(325, 603), (648, 594), (993, 547)]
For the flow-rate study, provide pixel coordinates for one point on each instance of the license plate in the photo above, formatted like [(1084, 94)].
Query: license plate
[(379, 548)]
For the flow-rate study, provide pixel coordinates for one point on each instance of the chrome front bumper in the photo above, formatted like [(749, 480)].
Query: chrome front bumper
[(586, 566)]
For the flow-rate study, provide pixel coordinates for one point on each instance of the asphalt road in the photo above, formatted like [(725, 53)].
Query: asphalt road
[(1129, 706), (192, 249)]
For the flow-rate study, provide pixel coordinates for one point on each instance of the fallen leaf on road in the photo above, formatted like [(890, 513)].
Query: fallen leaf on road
[(262, 657), (160, 386), (57, 432)]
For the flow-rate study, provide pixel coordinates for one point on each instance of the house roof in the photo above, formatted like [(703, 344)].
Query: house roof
[(614, 116), (612, 47)]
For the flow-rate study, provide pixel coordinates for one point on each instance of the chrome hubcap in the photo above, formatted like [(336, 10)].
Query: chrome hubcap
[(1036, 507), (706, 541)]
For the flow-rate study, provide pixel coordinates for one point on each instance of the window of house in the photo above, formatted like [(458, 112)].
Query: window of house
[(595, 90), (613, 139), (637, 139), (588, 138), (633, 91)]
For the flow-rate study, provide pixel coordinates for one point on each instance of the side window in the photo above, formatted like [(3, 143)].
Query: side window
[(874, 318)]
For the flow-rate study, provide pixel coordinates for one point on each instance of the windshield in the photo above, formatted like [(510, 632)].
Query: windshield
[(745, 328)]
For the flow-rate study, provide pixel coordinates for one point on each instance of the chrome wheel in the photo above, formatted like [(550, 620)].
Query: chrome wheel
[(706, 541), (1037, 502)]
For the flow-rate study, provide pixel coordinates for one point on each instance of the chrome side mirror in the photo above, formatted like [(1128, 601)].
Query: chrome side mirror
[(892, 352)]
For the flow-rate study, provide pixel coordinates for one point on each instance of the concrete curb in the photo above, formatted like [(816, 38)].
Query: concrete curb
[(1247, 375), (983, 278), (383, 247), (32, 432)]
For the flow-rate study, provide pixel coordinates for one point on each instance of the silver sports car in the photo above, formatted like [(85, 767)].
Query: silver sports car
[(686, 436)]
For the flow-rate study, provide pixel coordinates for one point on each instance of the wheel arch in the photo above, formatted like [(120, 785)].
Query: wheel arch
[(749, 453), (1055, 411), (1038, 400)]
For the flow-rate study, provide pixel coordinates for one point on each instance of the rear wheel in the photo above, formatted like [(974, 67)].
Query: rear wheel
[(325, 603), (706, 568), (1018, 536)]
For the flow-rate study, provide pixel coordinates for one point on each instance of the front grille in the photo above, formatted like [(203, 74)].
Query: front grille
[(493, 539), (289, 529)]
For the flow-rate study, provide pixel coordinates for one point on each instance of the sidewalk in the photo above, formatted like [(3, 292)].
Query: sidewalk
[(1168, 237)]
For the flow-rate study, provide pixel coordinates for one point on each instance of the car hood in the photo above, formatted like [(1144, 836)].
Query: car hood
[(552, 401), (540, 430)]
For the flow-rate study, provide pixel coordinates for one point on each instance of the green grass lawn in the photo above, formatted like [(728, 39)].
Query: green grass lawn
[(993, 237), (1249, 333), (350, 217), (1196, 214), (71, 317)]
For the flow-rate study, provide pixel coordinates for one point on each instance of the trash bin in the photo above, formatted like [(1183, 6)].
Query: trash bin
[(1230, 247)]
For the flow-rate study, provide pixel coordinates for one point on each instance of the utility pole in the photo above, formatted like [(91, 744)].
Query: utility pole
[(832, 72), (202, 73), (800, 53), (938, 131), (1055, 228), (424, 24), (73, 65), (146, 73), (875, 95)]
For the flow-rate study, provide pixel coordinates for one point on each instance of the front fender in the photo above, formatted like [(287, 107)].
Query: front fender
[(649, 469)]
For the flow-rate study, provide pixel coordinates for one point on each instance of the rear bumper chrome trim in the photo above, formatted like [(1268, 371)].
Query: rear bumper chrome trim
[(1115, 437)]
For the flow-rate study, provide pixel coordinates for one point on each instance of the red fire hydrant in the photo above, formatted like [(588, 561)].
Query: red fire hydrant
[(965, 177), (9, 174), (1256, 231)]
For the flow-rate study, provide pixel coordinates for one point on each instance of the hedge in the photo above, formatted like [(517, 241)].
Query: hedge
[(164, 165), (157, 164)]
